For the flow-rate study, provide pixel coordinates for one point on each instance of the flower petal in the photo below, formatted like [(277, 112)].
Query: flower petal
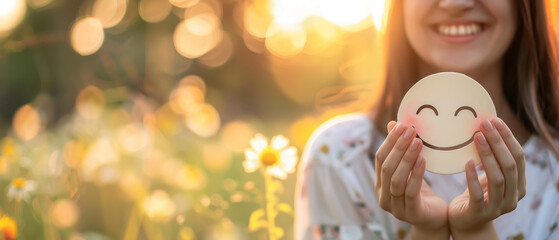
[(251, 165), (276, 171), (289, 152), (279, 142), (288, 164), (251, 155), (259, 143), (30, 186)]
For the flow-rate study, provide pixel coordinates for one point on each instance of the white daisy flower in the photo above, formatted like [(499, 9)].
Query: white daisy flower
[(277, 158), (21, 189)]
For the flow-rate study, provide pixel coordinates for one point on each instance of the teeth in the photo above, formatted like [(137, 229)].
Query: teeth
[(459, 30)]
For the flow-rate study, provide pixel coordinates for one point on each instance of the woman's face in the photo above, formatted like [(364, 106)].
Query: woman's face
[(460, 35)]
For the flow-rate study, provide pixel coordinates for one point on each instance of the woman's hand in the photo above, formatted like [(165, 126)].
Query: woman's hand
[(400, 186), (498, 190)]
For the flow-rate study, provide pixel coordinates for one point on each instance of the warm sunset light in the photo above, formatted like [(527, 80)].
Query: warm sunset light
[(289, 12), (378, 12), (285, 41), (227, 119), (11, 14), (344, 13)]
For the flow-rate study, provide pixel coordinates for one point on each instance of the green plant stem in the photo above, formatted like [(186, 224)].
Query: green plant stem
[(270, 206)]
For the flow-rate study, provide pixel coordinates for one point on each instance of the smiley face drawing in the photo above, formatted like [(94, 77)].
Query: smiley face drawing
[(447, 109)]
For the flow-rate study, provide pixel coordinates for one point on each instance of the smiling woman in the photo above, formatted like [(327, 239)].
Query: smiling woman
[(362, 176)]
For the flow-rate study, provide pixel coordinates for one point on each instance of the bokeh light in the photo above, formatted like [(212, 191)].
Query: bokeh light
[(87, 36), (64, 213), (158, 206), (184, 3), (220, 54), (285, 41), (216, 157), (90, 102), (203, 120), (257, 18), (211, 7), (197, 35), (289, 12), (11, 14), (133, 138), (27, 122), (321, 36), (109, 12), (236, 135), (74, 153), (101, 153), (154, 10), (183, 99), (345, 13), (39, 3), (190, 177)]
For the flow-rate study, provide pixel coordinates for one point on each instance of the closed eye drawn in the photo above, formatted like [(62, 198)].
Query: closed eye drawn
[(466, 108), (427, 106)]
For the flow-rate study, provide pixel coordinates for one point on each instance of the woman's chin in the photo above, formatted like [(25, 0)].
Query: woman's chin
[(458, 65)]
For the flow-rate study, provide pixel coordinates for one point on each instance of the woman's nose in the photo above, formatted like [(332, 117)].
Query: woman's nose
[(456, 6)]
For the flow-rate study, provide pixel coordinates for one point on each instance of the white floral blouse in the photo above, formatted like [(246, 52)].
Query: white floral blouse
[(335, 198)]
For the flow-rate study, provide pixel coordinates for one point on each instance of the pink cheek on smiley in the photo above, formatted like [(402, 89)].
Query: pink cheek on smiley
[(415, 122)]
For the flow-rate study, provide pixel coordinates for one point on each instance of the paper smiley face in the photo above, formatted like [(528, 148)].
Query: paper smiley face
[(447, 109)]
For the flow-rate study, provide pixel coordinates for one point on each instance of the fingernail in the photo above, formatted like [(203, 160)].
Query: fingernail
[(418, 162), (409, 132), (487, 125), (481, 139), (396, 128), (414, 145), (498, 124)]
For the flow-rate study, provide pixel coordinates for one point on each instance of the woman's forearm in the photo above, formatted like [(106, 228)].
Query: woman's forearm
[(420, 233), (485, 231)]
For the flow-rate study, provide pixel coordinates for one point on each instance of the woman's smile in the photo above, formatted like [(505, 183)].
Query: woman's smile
[(459, 32)]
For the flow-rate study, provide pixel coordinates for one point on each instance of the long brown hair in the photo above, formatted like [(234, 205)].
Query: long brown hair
[(530, 71)]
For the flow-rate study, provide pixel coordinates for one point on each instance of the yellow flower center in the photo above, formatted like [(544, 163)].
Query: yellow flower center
[(269, 156), (18, 182)]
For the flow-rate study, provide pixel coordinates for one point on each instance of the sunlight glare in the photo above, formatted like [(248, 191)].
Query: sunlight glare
[(11, 14), (378, 13)]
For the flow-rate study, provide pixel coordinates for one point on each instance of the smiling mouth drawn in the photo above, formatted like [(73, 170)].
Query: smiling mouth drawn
[(451, 147)]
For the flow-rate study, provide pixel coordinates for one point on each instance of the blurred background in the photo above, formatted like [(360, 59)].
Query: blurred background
[(130, 119)]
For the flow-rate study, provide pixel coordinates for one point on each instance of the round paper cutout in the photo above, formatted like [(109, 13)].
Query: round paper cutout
[(447, 109)]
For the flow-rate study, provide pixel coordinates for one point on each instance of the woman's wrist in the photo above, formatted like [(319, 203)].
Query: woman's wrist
[(418, 232), (482, 231)]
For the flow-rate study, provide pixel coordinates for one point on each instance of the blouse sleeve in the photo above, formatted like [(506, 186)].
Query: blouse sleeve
[(329, 194)]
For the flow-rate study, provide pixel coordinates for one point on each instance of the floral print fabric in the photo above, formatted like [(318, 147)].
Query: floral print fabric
[(335, 197)]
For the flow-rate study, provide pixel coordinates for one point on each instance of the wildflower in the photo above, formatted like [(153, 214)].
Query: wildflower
[(8, 228), (276, 158), (21, 189)]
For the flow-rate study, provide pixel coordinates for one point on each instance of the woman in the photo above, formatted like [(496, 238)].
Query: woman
[(360, 181)]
